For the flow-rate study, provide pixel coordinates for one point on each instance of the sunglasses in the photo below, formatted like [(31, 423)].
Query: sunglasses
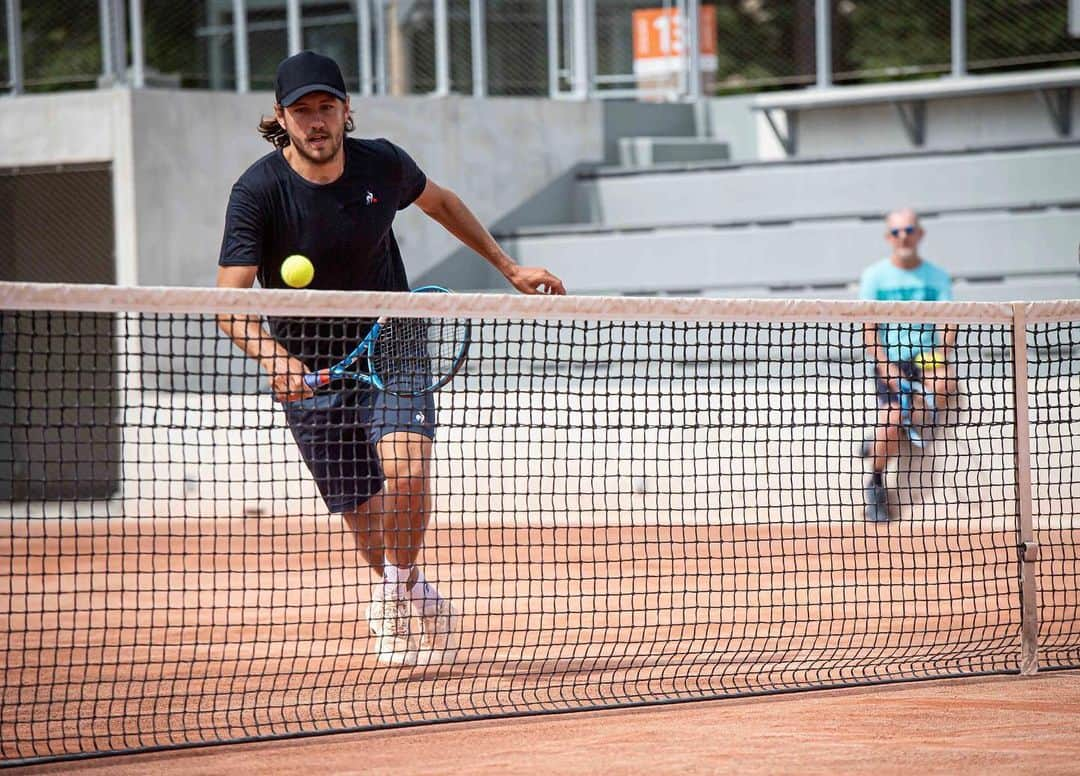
[(903, 230)]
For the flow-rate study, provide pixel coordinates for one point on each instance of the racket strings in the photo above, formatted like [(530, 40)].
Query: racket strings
[(415, 354)]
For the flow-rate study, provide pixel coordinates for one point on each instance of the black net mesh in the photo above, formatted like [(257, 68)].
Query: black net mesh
[(619, 512), (1054, 374)]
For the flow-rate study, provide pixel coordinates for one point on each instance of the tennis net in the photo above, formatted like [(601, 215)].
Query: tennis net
[(632, 500)]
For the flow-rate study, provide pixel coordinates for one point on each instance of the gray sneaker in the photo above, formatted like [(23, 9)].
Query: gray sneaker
[(877, 503)]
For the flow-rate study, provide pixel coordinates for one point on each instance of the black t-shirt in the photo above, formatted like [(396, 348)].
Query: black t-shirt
[(343, 227)]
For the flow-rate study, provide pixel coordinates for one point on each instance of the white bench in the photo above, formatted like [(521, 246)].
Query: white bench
[(910, 98)]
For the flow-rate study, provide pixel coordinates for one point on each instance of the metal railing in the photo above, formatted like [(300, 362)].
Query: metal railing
[(569, 49)]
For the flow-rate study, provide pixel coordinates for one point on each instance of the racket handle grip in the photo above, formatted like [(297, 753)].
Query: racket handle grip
[(317, 379)]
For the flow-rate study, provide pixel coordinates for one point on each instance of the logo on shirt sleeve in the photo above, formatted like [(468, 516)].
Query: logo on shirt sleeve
[(370, 198)]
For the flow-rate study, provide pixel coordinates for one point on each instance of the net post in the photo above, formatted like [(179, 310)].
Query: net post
[(1028, 547)]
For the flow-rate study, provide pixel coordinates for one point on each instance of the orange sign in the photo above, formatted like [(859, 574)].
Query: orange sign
[(660, 40)]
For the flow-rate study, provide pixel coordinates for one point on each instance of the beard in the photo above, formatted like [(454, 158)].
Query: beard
[(328, 152)]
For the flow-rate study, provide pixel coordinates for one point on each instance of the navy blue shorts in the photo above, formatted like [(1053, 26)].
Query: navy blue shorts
[(886, 396), (337, 430)]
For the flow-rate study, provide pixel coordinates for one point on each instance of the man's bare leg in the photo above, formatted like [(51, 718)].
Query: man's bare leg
[(884, 447), (365, 524), (406, 460), (389, 531)]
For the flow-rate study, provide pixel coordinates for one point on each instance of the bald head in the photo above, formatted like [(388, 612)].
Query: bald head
[(903, 233), (905, 216)]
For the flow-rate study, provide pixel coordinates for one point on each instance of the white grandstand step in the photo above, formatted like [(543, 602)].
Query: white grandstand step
[(1065, 285), (929, 182), (649, 151), (978, 245), (1012, 289)]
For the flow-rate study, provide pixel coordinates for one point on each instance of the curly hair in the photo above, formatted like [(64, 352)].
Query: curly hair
[(276, 135)]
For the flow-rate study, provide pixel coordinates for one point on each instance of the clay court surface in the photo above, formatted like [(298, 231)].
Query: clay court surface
[(979, 726), (181, 632), (594, 562)]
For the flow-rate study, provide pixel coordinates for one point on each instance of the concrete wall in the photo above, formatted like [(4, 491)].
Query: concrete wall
[(731, 120), (75, 128), (175, 154), (68, 128)]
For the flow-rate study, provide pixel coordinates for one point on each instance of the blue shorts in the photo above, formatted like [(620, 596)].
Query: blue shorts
[(337, 430), (886, 396)]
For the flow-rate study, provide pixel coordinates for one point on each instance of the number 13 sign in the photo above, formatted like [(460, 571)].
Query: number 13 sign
[(659, 41)]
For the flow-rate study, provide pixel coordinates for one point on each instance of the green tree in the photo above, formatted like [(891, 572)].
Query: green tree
[(770, 43), (1010, 33), (880, 39), (61, 43)]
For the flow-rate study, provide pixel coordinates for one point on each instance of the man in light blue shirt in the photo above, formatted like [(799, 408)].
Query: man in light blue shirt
[(909, 352)]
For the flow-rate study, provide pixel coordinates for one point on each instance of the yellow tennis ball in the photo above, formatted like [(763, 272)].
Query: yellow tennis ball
[(297, 271), (930, 359)]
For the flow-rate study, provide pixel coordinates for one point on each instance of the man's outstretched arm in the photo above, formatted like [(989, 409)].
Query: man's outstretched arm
[(286, 372), (446, 207)]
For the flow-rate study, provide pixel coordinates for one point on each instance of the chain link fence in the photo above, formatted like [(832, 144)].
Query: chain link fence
[(330, 28), (878, 40), (614, 50), (186, 41), (412, 61), (267, 42), (61, 45), (517, 50), (763, 45), (56, 224), (1019, 34), (5, 60), (752, 44)]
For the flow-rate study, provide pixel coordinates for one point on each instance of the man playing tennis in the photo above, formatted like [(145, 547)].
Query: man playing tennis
[(333, 199), (909, 352)]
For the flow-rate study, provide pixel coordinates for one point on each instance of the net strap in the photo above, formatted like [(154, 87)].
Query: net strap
[(1029, 618)]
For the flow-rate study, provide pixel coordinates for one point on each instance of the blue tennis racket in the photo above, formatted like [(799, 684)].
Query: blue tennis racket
[(404, 356), (912, 391)]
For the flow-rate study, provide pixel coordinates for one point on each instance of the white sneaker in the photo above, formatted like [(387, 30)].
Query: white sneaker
[(393, 635), (374, 615), (439, 634)]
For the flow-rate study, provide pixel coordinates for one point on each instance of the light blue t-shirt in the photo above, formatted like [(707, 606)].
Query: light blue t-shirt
[(884, 281)]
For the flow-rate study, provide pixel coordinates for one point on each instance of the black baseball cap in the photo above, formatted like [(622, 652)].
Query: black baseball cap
[(305, 73)]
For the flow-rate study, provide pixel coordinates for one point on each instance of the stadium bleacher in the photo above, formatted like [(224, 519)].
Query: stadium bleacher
[(1003, 220), (911, 97)]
